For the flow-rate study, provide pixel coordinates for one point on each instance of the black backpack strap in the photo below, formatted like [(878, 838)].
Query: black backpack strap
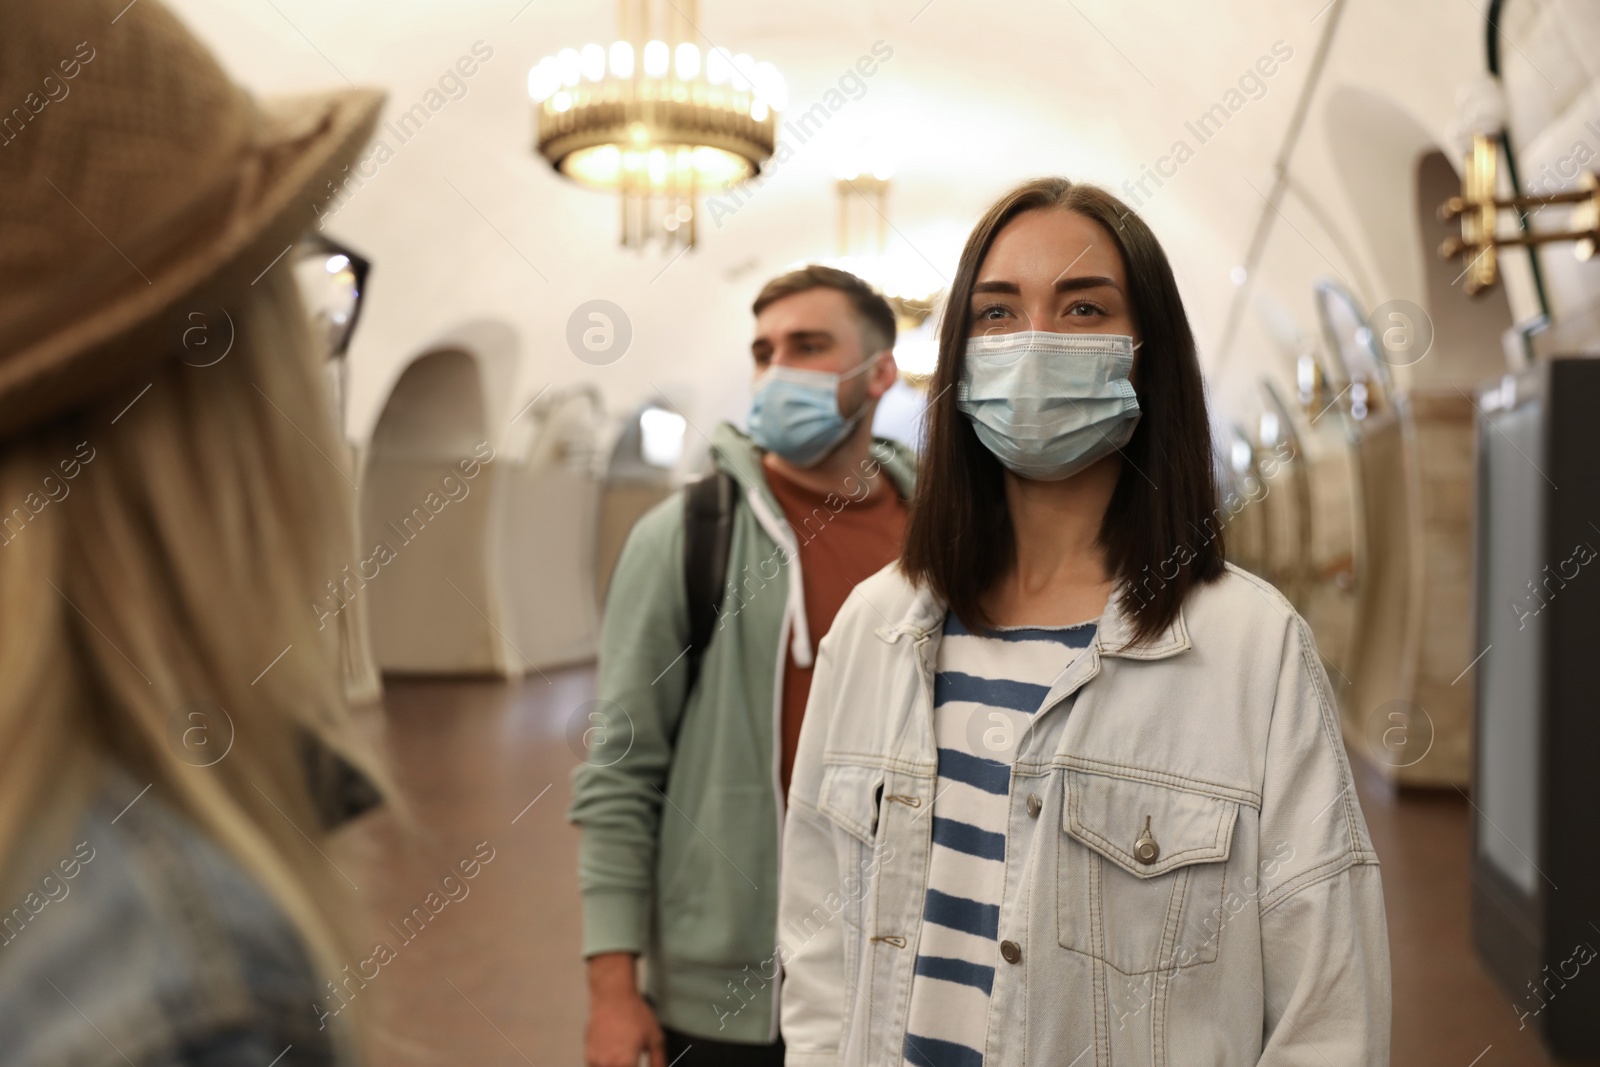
[(708, 506)]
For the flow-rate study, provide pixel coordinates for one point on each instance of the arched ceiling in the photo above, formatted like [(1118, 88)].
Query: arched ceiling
[(464, 222)]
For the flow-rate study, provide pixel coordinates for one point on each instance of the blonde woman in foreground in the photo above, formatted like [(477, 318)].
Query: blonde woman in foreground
[(165, 519)]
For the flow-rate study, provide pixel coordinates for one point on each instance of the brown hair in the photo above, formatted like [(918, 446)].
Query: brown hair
[(960, 539), (877, 318)]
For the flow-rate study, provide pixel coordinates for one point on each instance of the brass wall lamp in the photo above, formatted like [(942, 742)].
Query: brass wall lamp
[(1479, 209)]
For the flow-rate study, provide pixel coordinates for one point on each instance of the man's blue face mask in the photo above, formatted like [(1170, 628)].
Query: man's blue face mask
[(1049, 404), (795, 412)]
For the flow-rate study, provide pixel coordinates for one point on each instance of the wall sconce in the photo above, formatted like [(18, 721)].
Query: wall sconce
[(1479, 211), (863, 243), (1310, 383)]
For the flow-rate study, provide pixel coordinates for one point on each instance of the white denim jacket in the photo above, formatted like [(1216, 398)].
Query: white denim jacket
[(1255, 935)]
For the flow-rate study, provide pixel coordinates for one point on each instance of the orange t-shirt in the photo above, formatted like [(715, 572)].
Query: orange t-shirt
[(842, 542)]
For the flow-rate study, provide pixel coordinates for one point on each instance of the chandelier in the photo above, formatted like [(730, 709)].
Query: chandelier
[(656, 120), (909, 283)]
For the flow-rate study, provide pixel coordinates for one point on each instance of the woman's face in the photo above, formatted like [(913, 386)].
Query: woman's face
[(1056, 270)]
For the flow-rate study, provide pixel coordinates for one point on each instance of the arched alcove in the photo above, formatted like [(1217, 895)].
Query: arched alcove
[(428, 501)]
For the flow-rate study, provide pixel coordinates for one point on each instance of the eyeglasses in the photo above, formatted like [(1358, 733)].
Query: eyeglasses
[(332, 280)]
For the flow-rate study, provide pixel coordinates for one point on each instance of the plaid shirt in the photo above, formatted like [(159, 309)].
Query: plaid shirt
[(145, 943)]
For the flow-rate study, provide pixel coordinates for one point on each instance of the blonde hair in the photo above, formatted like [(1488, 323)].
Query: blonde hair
[(176, 566)]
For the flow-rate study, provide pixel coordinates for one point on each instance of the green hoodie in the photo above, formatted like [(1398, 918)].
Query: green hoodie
[(680, 805)]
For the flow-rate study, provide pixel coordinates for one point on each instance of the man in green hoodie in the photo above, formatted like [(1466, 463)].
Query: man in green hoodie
[(682, 804)]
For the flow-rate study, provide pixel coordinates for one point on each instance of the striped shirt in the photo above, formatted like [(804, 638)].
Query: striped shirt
[(987, 690)]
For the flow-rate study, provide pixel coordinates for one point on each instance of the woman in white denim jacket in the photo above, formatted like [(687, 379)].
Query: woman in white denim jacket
[(1188, 877)]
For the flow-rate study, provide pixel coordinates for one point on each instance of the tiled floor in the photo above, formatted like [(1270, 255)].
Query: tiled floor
[(494, 977), (1447, 1010)]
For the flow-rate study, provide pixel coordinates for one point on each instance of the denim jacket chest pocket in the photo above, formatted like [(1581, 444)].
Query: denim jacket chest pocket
[(853, 798), (850, 796), (1139, 864)]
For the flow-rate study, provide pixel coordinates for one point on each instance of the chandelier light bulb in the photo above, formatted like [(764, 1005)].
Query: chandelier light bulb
[(770, 86), (542, 80), (568, 66), (687, 60), (592, 61), (719, 66), (622, 59), (743, 67), (655, 59)]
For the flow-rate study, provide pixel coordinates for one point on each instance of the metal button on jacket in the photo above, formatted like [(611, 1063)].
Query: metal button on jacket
[(1145, 850), (1034, 805), (1010, 951)]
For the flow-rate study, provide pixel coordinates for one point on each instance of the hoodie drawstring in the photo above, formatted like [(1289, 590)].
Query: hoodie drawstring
[(779, 531)]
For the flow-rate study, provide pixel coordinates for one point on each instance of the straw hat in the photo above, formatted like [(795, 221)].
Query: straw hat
[(135, 177)]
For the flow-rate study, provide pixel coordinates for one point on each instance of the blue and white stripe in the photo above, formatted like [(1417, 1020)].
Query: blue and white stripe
[(987, 690)]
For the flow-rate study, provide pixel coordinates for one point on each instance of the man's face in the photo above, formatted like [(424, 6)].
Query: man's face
[(818, 330), (813, 330)]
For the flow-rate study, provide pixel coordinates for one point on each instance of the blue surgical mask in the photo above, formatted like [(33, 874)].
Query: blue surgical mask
[(795, 412), (1049, 404)]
